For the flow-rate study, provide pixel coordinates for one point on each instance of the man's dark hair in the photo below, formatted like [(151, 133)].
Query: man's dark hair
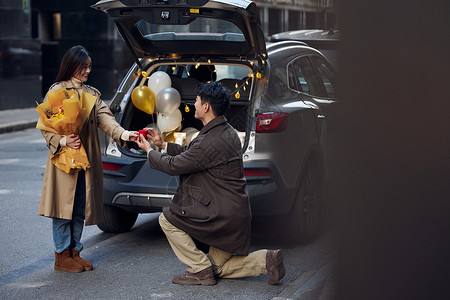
[(216, 95), (72, 62)]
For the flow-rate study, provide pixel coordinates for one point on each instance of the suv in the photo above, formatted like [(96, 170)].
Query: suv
[(282, 131), (326, 41)]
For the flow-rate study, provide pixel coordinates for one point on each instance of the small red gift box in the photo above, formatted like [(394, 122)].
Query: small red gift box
[(144, 132)]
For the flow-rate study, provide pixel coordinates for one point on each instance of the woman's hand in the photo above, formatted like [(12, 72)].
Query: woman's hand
[(134, 136), (73, 141)]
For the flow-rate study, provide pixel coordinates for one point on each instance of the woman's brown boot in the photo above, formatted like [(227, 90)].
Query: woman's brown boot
[(64, 262), (86, 265)]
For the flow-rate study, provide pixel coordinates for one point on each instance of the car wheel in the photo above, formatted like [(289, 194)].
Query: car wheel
[(305, 218), (116, 220)]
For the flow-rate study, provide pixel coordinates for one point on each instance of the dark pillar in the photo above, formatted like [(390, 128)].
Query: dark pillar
[(395, 150)]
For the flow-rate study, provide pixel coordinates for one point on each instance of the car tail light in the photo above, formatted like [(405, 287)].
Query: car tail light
[(111, 167), (257, 172), (272, 122)]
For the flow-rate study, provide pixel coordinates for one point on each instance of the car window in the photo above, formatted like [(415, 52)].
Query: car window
[(199, 29), (305, 77), (292, 80), (327, 74)]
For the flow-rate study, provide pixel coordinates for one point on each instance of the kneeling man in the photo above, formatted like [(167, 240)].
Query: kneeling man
[(211, 204)]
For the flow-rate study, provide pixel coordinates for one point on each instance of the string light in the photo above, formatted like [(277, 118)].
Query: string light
[(261, 58)]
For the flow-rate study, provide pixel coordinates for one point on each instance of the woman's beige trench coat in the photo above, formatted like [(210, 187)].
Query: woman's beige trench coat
[(58, 189)]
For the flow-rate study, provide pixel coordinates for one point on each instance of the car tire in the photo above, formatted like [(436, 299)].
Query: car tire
[(305, 218), (116, 220)]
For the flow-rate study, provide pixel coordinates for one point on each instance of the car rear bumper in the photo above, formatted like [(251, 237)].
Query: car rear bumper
[(268, 194), (141, 201)]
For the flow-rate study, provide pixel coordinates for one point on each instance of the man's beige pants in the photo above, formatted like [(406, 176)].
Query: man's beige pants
[(224, 264)]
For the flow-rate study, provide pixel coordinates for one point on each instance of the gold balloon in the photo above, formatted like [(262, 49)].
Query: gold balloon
[(143, 98), (170, 138)]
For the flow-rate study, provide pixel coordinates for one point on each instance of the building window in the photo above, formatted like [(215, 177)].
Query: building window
[(294, 20), (274, 21)]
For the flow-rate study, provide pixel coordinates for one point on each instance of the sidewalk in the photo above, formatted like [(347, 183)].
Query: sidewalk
[(18, 119)]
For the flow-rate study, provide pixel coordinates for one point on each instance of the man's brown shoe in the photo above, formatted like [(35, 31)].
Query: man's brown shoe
[(64, 262), (204, 277), (275, 265), (86, 265)]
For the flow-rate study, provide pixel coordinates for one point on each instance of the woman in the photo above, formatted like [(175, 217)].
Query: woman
[(70, 199)]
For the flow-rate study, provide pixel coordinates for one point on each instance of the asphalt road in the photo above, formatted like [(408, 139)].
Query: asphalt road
[(135, 265)]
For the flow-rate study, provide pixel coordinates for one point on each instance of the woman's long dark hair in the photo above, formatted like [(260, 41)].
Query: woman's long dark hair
[(71, 62)]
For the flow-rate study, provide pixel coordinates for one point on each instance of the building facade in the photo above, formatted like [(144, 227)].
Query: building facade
[(34, 35)]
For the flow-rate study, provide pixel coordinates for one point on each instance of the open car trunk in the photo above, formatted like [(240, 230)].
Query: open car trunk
[(181, 37), (185, 78)]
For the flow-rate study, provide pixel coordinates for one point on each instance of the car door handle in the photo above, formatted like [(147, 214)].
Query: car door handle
[(321, 117)]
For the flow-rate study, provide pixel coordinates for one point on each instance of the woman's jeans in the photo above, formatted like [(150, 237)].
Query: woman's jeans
[(67, 233)]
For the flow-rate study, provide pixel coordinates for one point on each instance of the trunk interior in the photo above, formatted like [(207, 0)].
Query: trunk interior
[(185, 78)]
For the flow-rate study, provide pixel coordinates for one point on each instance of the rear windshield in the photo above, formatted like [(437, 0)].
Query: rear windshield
[(199, 29)]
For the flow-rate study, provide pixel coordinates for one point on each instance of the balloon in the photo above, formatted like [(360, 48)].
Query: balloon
[(170, 122), (143, 98), (170, 138), (159, 81), (195, 135), (168, 100), (190, 131)]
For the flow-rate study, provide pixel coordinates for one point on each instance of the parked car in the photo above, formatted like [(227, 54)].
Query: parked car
[(326, 41), (282, 130)]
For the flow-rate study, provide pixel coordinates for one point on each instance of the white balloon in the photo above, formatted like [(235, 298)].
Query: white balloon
[(168, 100), (190, 132), (170, 122), (189, 129), (195, 135), (159, 81)]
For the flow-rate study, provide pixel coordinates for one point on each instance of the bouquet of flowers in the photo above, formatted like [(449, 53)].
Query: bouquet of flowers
[(63, 113)]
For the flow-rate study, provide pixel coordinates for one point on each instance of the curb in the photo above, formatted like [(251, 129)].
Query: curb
[(11, 127), (316, 283)]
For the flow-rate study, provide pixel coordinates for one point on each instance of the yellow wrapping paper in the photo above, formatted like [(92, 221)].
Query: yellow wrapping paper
[(76, 111)]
